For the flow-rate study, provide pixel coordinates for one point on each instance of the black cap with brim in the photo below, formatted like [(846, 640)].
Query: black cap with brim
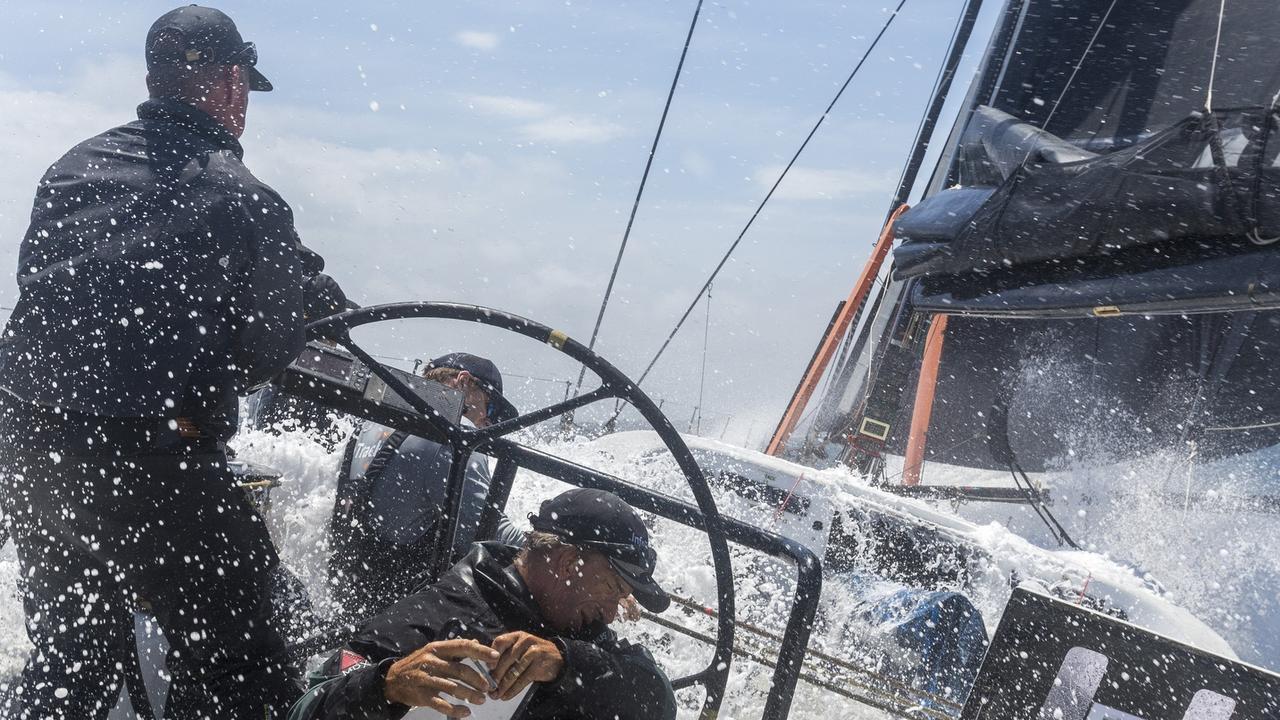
[(600, 521), (646, 590), (195, 35), (258, 81), (488, 377)]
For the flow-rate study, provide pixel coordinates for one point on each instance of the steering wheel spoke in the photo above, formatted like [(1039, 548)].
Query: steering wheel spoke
[(452, 430), (530, 419)]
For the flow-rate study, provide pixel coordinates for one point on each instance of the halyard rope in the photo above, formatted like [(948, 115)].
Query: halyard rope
[(734, 246), (1079, 64), (644, 178)]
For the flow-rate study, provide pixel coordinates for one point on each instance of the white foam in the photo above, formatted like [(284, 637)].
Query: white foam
[(1206, 582)]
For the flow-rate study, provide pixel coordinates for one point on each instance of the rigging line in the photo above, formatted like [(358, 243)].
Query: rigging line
[(814, 655), (933, 93), (885, 480), (773, 522), (1039, 501), (702, 381), (815, 407), (768, 195), (1258, 426), (852, 342), (557, 381), (874, 695), (1191, 461), (1213, 66), (393, 357), (1076, 69), (1032, 502), (644, 178)]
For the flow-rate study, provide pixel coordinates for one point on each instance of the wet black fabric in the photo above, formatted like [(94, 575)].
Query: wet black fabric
[(1101, 390), (158, 279), (480, 598), (100, 535), (1088, 128), (1046, 219), (1199, 187), (158, 276), (1140, 71)]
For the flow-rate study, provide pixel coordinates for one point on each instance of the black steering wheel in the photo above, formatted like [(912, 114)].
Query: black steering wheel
[(510, 455)]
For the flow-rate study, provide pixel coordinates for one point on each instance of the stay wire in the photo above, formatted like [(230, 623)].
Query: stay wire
[(706, 341), (734, 246), (1071, 78), (937, 83), (557, 381), (1213, 66), (885, 479), (1036, 500), (1079, 63), (644, 178)]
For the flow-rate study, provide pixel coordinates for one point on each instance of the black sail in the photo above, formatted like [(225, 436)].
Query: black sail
[(1100, 239)]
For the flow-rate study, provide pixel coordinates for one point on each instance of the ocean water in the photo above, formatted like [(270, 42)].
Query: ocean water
[(1220, 566), (1202, 530)]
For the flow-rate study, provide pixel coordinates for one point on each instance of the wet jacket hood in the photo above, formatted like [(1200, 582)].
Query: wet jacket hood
[(486, 582), (192, 118)]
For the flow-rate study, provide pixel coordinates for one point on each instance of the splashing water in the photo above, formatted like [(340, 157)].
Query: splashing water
[(1219, 565)]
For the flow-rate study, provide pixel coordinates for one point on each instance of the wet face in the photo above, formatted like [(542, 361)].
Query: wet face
[(586, 591), (237, 100), (475, 400)]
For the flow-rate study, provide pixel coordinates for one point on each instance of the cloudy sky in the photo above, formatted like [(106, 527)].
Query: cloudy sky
[(489, 152)]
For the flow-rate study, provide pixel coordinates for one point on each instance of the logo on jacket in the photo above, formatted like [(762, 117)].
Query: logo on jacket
[(348, 661)]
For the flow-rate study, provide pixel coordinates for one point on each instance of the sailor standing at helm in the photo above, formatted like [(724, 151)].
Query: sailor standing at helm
[(159, 278)]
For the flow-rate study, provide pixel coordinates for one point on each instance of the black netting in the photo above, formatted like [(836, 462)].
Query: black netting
[(1207, 178)]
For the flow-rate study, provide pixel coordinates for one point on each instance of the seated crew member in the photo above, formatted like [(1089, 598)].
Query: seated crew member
[(535, 615), (393, 488)]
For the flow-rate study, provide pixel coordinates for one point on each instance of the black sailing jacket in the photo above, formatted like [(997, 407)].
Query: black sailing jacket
[(604, 678), (158, 277)]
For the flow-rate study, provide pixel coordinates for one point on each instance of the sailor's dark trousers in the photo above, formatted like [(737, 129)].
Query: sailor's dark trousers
[(99, 536)]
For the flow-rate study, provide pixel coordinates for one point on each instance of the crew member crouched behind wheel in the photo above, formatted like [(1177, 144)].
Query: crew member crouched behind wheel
[(533, 615), (393, 487)]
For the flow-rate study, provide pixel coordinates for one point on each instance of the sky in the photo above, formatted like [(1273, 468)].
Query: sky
[(489, 153)]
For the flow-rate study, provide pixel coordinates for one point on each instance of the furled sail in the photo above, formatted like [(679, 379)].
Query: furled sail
[(1183, 218)]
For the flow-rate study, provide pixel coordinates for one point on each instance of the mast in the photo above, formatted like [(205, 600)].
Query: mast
[(922, 411), (852, 310), (846, 317), (892, 353)]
